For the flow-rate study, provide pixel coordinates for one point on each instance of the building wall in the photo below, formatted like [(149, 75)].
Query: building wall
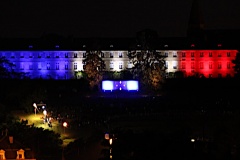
[(64, 64)]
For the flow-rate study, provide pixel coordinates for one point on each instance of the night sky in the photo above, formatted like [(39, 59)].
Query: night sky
[(109, 18)]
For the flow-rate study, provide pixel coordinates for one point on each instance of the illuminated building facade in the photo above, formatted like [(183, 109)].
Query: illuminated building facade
[(63, 64)]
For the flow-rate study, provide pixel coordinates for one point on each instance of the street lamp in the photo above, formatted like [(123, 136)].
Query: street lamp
[(65, 126)]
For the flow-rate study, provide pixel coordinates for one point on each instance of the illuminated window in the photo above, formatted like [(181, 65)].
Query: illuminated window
[(174, 54), (210, 65), (120, 65), (201, 65), (210, 54), (111, 65), (228, 54), (219, 65), (192, 65), (57, 66), (75, 55), (48, 66), (228, 65), (75, 65), (192, 54), (183, 65), (120, 54), (183, 54), (111, 55), (201, 54)]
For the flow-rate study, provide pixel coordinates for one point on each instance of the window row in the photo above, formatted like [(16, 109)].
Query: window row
[(58, 55), (193, 54)]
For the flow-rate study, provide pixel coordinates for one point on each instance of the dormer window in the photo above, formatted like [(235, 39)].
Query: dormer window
[(165, 45), (219, 45), (192, 45)]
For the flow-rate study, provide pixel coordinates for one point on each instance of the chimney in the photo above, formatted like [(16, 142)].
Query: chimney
[(11, 139)]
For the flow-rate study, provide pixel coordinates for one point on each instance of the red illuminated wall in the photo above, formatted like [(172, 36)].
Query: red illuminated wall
[(208, 63)]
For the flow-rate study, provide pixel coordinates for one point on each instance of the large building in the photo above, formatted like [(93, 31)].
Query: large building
[(201, 52)]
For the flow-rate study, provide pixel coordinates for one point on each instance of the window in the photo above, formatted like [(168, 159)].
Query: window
[(210, 54), (111, 55), (183, 65), (21, 55), (201, 54), (57, 55), (219, 65), (84, 55), (219, 55), (48, 66), (192, 65), (39, 55), (39, 66), (120, 65), (66, 65), (228, 65), (219, 75), (75, 65), (75, 55), (166, 54), (30, 66), (228, 54), (66, 55), (48, 55), (120, 54), (174, 64), (12, 55), (57, 66), (201, 65), (30, 55), (102, 54), (174, 54), (210, 65), (183, 54), (21, 66), (129, 64), (111, 65), (210, 75), (192, 54), (166, 64)]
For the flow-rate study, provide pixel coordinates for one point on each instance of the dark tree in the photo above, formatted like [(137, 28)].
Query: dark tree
[(148, 65)]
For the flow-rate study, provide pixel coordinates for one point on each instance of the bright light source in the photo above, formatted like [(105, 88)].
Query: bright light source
[(110, 141), (192, 140), (65, 124), (45, 112)]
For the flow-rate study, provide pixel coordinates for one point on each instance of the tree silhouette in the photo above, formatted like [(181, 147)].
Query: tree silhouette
[(148, 64), (93, 67)]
